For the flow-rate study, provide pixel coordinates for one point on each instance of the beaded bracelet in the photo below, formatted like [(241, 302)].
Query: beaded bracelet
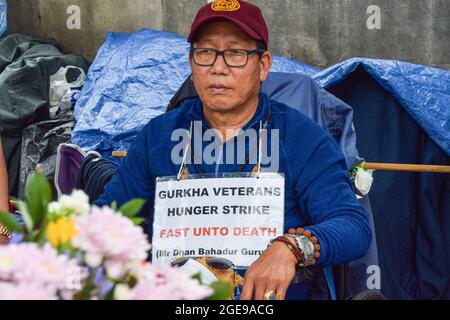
[(297, 253), (314, 241), (5, 232)]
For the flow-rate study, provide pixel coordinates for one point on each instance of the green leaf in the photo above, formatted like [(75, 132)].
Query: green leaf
[(137, 221), (27, 218), (40, 236), (8, 221), (221, 289), (31, 236), (132, 208), (38, 194), (198, 277)]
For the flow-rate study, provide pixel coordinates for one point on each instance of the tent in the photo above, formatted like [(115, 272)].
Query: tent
[(401, 115)]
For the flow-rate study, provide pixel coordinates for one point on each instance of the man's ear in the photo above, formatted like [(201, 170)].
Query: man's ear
[(190, 61), (192, 69), (265, 64)]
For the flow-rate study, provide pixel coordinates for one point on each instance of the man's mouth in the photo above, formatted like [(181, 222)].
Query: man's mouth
[(218, 88)]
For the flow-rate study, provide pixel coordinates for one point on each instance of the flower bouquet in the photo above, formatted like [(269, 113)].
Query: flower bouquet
[(70, 250)]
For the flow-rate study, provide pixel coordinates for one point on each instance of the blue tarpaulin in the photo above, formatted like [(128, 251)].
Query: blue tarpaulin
[(3, 17), (411, 210), (401, 114), (424, 92), (134, 76)]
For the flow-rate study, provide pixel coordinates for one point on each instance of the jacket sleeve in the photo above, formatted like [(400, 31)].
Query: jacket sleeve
[(133, 179), (324, 193)]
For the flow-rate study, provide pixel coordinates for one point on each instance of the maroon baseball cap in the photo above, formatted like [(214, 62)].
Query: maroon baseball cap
[(246, 15)]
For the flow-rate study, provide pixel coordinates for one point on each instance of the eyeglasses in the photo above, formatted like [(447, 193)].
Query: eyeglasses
[(206, 57), (214, 262)]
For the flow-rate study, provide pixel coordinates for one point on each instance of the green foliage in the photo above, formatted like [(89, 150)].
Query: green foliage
[(38, 194), (132, 208), (8, 221), (221, 289)]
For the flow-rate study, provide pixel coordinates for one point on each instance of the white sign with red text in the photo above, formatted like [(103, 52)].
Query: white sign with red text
[(233, 218)]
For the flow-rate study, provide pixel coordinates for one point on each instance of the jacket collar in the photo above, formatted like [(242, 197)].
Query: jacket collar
[(195, 112)]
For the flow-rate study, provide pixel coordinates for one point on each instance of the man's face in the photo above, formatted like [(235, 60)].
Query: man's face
[(223, 88)]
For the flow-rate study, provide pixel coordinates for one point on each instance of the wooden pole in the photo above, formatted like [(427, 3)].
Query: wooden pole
[(119, 154), (404, 167), (370, 165)]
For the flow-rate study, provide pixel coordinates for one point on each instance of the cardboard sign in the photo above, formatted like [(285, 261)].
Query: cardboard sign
[(234, 218)]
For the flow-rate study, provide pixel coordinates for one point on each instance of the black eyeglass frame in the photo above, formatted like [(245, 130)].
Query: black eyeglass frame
[(222, 53), (211, 261)]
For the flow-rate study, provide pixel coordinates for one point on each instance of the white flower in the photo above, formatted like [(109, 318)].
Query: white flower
[(363, 180), (122, 292), (54, 207), (139, 268), (93, 260), (78, 202), (115, 269)]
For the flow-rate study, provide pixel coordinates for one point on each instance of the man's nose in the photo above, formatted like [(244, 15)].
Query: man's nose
[(219, 65)]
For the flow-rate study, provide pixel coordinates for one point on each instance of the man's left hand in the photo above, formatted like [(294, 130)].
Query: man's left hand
[(3, 240), (273, 271)]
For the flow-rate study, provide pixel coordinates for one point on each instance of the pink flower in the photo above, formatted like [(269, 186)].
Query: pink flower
[(9, 261), (165, 283), (105, 234), (28, 263), (26, 291)]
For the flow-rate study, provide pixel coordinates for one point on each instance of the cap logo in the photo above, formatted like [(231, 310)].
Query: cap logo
[(225, 5)]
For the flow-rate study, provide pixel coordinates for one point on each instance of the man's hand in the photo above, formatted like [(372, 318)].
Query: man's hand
[(3, 240), (273, 271)]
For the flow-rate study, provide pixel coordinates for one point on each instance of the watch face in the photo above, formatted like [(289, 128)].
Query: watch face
[(307, 248), (304, 241)]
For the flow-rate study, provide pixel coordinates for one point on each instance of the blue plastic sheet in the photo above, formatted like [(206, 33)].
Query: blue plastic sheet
[(3, 17), (134, 76), (131, 81), (424, 92)]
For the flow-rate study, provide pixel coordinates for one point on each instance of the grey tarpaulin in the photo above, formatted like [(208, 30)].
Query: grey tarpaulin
[(26, 64), (40, 142)]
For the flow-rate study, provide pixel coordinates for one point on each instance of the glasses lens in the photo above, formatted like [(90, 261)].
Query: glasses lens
[(219, 263), (236, 58), (179, 262), (204, 56)]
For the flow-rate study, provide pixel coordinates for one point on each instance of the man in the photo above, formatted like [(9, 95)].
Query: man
[(3, 192), (229, 61)]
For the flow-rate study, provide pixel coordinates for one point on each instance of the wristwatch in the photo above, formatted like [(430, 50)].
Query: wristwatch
[(305, 246), (4, 231)]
